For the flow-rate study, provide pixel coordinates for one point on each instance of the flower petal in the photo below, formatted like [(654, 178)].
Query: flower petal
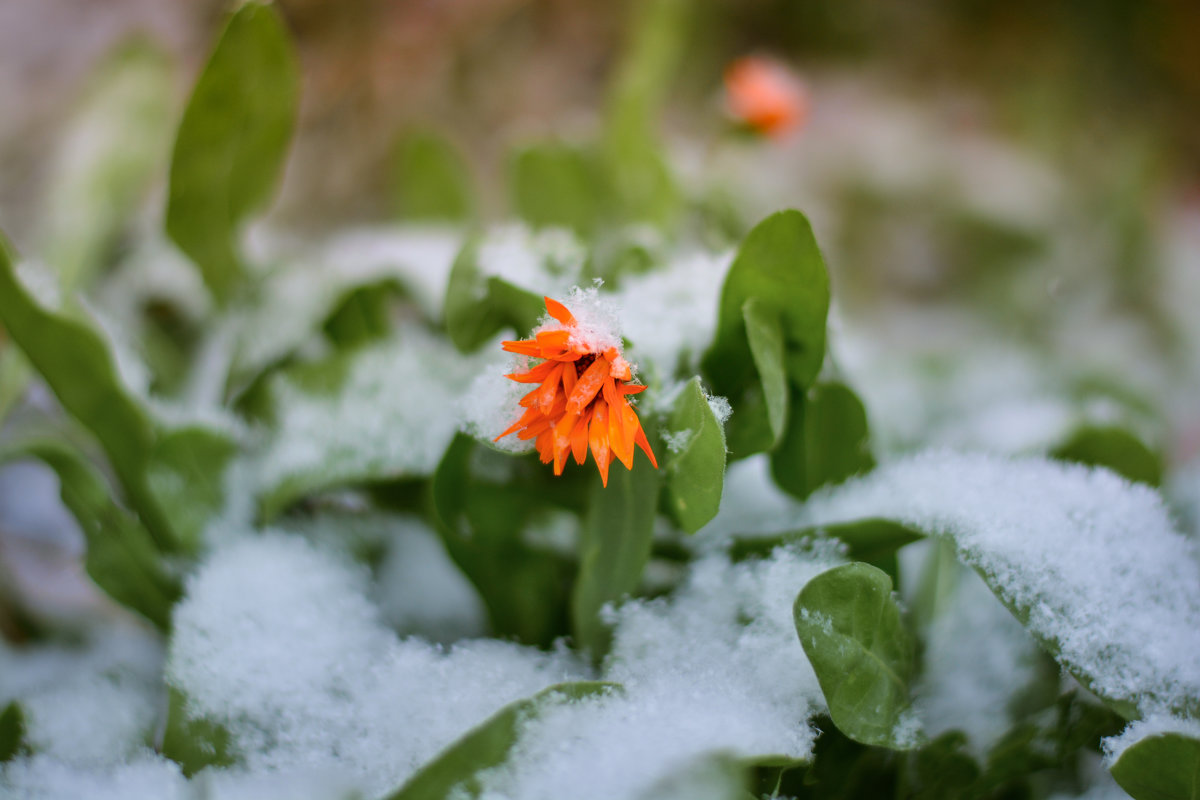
[(545, 446), (587, 386), (598, 439), (528, 417), (579, 438), (548, 391), (562, 440), (535, 375), (525, 348), (559, 311), (640, 438), (620, 438), (570, 376), (535, 428)]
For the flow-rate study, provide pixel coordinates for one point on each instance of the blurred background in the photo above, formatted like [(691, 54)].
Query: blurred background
[(1007, 194)]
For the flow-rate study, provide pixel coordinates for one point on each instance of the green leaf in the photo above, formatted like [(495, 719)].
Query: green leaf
[(615, 547), (850, 628), (873, 540), (362, 315), (1162, 766), (555, 185), (695, 473), (186, 473), (76, 363), (764, 333), (780, 266), (1115, 448), (121, 557), (641, 182), (115, 145), (827, 440), (484, 502), (14, 376), (12, 731), (429, 179), (478, 306), (458, 770), (231, 143), (195, 743)]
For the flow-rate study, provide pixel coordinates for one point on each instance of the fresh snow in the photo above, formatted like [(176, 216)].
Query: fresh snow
[(1094, 559), (716, 669)]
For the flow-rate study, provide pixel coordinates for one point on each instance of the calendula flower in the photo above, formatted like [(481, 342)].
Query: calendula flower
[(580, 401), (765, 95)]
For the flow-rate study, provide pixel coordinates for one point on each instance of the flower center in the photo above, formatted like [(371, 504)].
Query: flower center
[(583, 363)]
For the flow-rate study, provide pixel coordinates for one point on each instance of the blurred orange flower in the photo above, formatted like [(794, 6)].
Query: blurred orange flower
[(765, 95), (580, 401)]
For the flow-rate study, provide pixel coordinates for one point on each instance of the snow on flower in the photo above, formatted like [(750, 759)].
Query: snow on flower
[(580, 400)]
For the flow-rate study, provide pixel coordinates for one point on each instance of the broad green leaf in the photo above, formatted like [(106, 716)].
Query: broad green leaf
[(429, 179), (827, 440), (1162, 766), (695, 469), (458, 770), (615, 547), (121, 557), (186, 473), (1115, 448), (12, 731), (479, 306), (484, 502), (555, 185), (194, 743), (850, 628), (230, 148), (764, 333), (873, 540), (76, 363), (780, 266), (114, 146)]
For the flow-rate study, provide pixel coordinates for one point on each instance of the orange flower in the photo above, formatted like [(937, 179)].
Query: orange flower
[(579, 402), (765, 95)]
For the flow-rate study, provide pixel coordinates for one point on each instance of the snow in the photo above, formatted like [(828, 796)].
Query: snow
[(278, 642), (545, 262), (388, 417), (677, 441), (715, 669), (670, 314), (598, 319), (298, 296), (751, 505), (420, 591), (977, 658), (94, 703), (1093, 558), (144, 777)]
